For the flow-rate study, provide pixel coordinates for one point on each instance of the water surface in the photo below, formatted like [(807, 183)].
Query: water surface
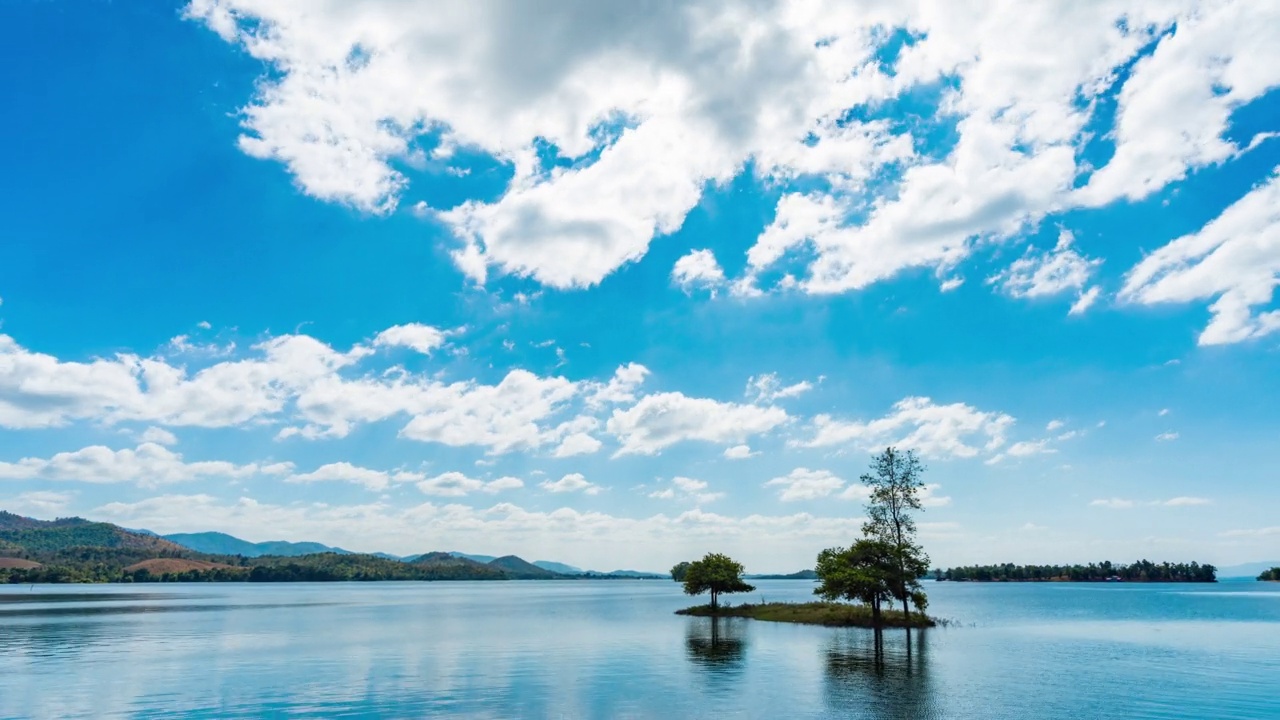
[(613, 649)]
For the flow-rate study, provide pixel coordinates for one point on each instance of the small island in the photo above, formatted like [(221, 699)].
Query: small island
[(1272, 575), (858, 584)]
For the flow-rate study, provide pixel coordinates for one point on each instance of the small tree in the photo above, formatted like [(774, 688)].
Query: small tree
[(895, 493), (714, 573), (863, 572), (679, 570)]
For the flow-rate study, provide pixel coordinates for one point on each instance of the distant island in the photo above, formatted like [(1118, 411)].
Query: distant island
[(1140, 571), (75, 550), (1272, 575)]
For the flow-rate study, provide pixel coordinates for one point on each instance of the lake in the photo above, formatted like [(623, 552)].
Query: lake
[(613, 649)]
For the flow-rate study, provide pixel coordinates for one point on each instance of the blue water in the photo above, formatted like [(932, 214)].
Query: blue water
[(612, 649)]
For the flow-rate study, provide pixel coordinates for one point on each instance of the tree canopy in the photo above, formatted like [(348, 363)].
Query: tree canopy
[(863, 573), (715, 573), (1140, 571), (679, 570), (1272, 575), (896, 487)]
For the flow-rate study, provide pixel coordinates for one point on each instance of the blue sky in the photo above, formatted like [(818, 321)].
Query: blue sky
[(617, 290)]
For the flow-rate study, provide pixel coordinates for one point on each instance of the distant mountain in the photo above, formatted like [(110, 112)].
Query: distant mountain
[(519, 569), (216, 543), (445, 565), (477, 558), (633, 574), (1249, 570), (29, 534), (558, 567), (798, 575)]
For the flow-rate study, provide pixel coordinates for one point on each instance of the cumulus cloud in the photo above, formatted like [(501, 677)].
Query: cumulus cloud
[(581, 537), (1113, 503), (686, 489), (698, 270), (573, 482), (739, 452), (1122, 504), (611, 142), (806, 484), (941, 431), (659, 421), (147, 465), (40, 503), (346, 472), (456, 484), (767, 388), (159, 436), (416, 336), (1043, 274), (1166, 436), (1234, 258)]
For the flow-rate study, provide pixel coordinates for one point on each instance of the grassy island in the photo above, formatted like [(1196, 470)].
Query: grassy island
[(1272, 575), (831, 614)]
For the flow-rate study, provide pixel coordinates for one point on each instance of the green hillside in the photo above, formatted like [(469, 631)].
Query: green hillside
[(519, 569)]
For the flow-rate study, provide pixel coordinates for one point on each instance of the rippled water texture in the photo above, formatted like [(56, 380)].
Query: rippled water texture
[(612, 649)]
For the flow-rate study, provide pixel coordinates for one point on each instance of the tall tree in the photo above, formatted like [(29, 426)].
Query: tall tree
[(896, 487), (862, 572), (679, 570), (717, 574)]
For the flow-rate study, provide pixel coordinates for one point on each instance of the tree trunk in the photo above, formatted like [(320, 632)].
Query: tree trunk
[(875, 613), (713, 599)]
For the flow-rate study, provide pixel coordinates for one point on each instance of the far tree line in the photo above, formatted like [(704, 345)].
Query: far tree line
[(1141, 571)]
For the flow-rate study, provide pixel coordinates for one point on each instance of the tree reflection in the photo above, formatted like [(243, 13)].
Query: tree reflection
[(879, 675), (716, 643)]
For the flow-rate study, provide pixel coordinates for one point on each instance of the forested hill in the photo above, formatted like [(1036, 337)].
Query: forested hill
[(1141, 571), (33, 535)]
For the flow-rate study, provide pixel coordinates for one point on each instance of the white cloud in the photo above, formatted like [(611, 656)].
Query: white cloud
[(1043, 274), (576, 444), (1054, 425), (806, 484), (573, 482), (929, 497), (148, 465), (699, 270), (1163, 412), (456, 484), (1085, 301), (159, 436), (621, 388), (1113, 503), (1254, 532), (1177, 103), (687, 489), (346, 472), (951, 284), (1235, 258), (918, 423), (44, 503), (416, 336), (1185, 501), (661, 420), (1166, 436), (739, 452), (662, 102), (767, 388), (583, 538)]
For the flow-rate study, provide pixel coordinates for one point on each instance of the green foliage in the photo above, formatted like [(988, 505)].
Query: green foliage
[(1141, 571), (714, 573), (895, 494), (1272, 575), (864, 572), (679, 571)]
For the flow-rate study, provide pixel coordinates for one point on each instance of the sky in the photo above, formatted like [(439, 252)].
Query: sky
[(621, 285)]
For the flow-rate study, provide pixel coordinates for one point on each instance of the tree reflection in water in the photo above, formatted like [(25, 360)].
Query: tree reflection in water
[(877, 675), (717, 644)]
